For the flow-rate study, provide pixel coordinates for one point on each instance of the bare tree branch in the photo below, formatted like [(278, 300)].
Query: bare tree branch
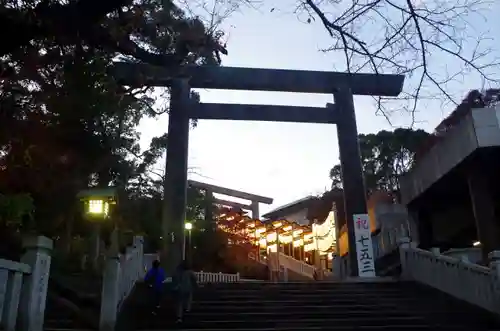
[(432, 42)]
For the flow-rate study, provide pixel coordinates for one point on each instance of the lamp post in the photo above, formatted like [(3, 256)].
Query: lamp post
[(97, 204), (188, 226), (317, 255), (278, 253)]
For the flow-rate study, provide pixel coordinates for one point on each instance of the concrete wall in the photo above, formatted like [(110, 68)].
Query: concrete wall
[(389, 216), (480, 128)]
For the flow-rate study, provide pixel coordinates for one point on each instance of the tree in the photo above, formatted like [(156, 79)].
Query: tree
[(141, 213), (228, 243), (65, 124), (474, 99), (15, 210), (410, 37), (117, 26), (385, 156)]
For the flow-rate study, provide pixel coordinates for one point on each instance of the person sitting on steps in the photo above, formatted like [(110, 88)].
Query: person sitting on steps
[(184, 283)]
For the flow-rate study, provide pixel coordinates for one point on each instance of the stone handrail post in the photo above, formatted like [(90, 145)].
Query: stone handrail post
[(138, 243), (435, 250), (494, 265), (110, 293), (23, 287), (337, 267), (404, 243), (34, 290), (494, 258), (120, 275)]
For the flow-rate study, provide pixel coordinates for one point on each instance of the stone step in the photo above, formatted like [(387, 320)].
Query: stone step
[(58, 315), (300, 295), (330, 328), (357, 289), (439, 315), (203, 315), (293, 290), (344, 309), (287, 321), (309, 285), (303, 301), (60, 323)]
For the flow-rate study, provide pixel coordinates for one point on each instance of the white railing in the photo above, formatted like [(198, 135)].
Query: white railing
[(287, 263), (297, 266), (23, 287), (213, 277), (11, 281), (460, 278), (120, 276), (216, 277), (130, 270)]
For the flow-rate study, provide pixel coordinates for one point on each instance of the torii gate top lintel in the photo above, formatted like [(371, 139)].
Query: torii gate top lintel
[(257, 79), (230, 192), (255, 199)]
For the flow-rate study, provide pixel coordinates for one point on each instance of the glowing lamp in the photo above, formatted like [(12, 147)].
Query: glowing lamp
[(98, 207), (97, 202)]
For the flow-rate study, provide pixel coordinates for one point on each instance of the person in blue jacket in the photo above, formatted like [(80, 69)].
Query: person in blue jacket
[(155, 278)]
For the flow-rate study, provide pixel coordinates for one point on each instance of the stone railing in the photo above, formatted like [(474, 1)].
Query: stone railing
[(288, 263), (386, 241), (472, 254), (23, 287), (458, 277), (121, 273)]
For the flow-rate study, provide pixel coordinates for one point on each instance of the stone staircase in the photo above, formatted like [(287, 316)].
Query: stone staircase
[(59, 317), (73, 302), (312, 306)]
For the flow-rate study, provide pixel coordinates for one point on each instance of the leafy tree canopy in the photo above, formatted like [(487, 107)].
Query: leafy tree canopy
[(152, 31), (65, 124), (385, 156)]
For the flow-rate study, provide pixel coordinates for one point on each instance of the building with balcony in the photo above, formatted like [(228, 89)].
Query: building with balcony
[(453, 192), (319, 230), (302, 244)]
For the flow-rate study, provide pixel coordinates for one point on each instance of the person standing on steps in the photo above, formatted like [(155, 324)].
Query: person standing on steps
[(155, 278), (184, 283)]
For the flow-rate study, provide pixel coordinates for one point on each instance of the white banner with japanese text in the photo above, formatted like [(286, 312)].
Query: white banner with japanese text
[(364, 246)]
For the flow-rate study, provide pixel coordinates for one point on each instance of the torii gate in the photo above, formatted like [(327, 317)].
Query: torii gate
[(342, 85), (254, 198)]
